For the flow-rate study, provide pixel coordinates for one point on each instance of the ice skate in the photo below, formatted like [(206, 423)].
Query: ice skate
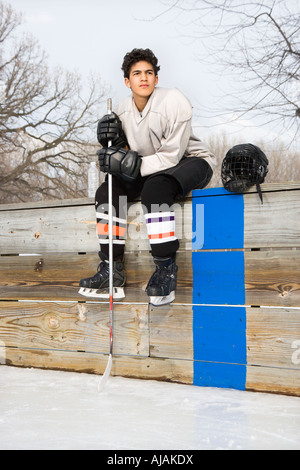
[(97, 286), (162, 284)]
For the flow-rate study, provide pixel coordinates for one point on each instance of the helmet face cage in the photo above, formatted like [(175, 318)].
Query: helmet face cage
[(243, 166)]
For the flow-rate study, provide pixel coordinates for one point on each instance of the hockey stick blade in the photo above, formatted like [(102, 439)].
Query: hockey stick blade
[(118, 293), (158, 301), (106, 374)]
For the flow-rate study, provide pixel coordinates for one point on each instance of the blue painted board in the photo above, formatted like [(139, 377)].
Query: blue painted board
[(219, 315), (218, 277), (210, 374), (220, 334), (218, 220)]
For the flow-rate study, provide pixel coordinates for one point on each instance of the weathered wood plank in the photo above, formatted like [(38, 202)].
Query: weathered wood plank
[(275, 223), (260, 379), (56, 277), (171, 331), (48, 230), (73, 229), (168, 370), (273, 278), (272, 335), (274, 380), (74, 326)]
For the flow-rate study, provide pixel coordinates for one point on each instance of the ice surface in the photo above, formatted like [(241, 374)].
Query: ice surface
[(42, 409)]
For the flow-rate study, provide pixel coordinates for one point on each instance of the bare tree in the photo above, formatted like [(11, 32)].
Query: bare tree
[(260, 42), (47, 121)]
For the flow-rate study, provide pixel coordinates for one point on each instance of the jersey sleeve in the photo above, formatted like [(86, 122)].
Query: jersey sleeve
[(171, 151)]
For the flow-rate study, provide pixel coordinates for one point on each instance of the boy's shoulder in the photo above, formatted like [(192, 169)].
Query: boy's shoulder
[(173, 103), (172, 95), (169, 92), (123, 105)]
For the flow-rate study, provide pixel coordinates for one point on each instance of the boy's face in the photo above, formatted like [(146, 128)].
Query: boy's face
[(142, 79)]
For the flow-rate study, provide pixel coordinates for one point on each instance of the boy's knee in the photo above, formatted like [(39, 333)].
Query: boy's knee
[(159, 190)]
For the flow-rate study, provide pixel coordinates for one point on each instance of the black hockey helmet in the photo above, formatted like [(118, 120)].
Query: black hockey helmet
[(244, 165)]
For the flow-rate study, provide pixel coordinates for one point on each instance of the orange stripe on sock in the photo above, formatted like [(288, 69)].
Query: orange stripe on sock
[(102, 229), (119, 231), (161, 235)]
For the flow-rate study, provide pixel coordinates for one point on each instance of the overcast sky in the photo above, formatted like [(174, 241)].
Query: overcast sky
[(94, 35)]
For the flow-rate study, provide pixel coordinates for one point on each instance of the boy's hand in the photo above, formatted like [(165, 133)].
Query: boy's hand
[(120, 162), (110, 129)]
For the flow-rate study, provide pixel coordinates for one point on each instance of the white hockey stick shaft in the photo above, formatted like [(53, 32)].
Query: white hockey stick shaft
[(111, 274)]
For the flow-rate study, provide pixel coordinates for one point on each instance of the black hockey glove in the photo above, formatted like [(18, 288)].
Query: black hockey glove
[(120, 162), (110, 129)]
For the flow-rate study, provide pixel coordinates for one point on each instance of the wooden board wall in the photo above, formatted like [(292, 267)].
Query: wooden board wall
[(253, 311)]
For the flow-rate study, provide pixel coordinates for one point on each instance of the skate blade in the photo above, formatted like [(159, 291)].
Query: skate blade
[(158, 301), (118, 293)]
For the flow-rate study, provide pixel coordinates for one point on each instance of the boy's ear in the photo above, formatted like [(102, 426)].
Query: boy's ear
[(127, 82)]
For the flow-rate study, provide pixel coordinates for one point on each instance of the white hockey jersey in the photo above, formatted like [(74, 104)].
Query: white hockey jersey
[(162, 132)]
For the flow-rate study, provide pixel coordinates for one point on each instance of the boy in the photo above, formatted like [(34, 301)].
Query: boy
[(155, 155)]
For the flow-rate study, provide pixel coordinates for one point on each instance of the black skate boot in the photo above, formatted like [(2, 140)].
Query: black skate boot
[(97, 286), (163, 282)]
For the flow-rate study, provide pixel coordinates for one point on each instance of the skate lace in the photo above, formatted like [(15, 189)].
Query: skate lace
[(103, 269)]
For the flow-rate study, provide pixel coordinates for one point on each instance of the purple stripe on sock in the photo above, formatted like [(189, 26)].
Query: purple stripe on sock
[(160, 219)]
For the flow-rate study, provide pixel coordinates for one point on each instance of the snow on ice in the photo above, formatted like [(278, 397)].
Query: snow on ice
[(42, 409)]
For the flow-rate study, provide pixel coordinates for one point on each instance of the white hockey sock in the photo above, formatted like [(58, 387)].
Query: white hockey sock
[(161, 227)]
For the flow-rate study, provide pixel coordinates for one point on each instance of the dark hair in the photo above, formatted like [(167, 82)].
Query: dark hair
[(136, 55)]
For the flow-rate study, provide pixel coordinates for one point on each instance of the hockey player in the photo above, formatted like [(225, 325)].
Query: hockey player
[(153, 154)]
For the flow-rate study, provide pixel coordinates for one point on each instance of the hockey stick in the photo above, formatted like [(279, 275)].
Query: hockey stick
[(107, 371)]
